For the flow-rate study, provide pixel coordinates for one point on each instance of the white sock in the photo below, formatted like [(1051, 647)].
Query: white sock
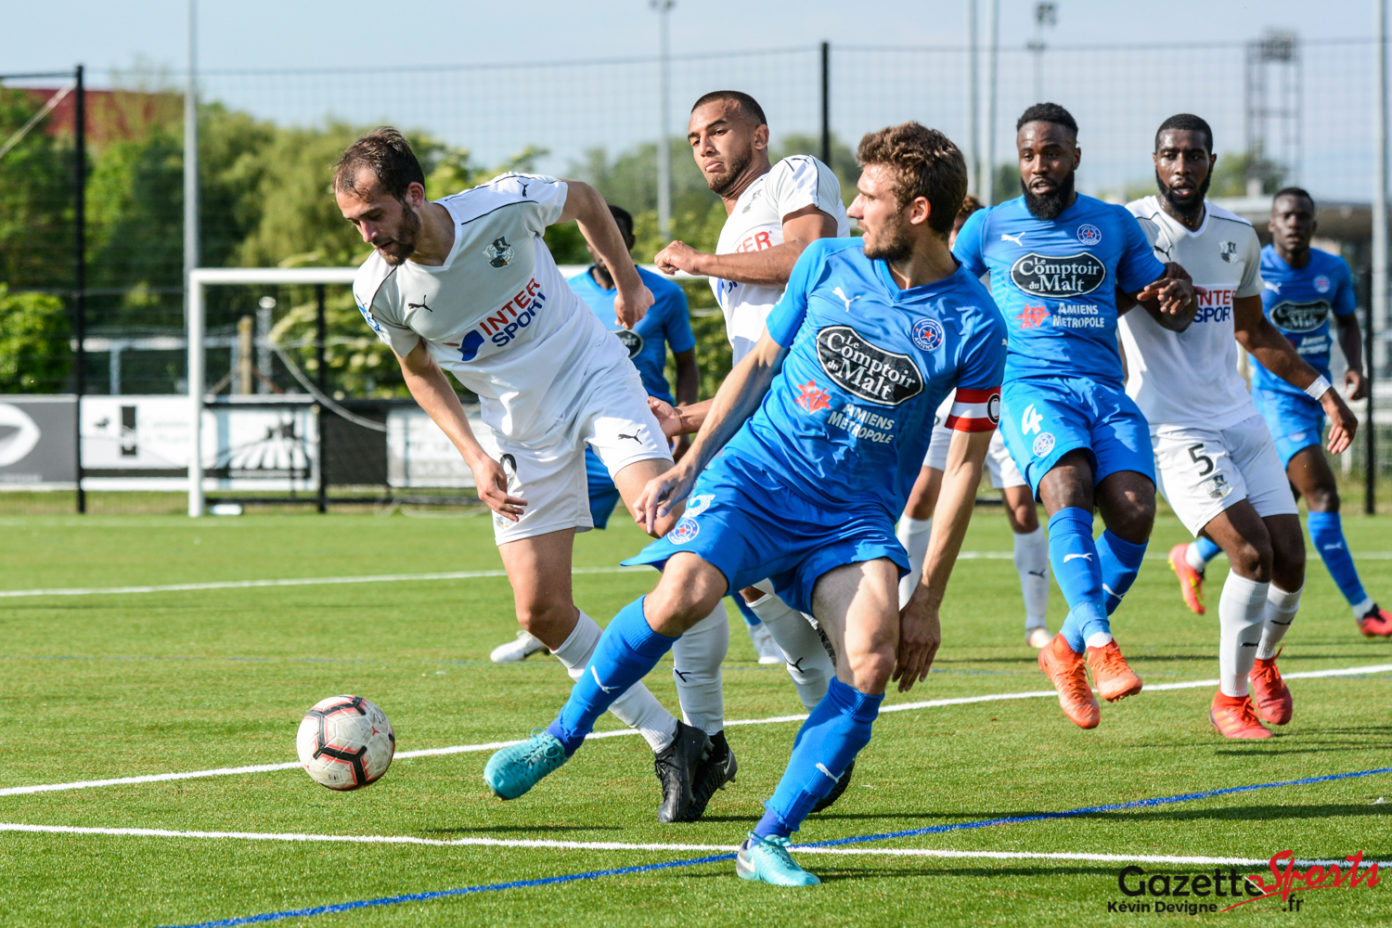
[(913, 535), (808, 663), (1193, 558), (1363, 608), (637, 708), (1280, 613), (696, 659), (1032, 564), (1240, 609), (1099, 639)]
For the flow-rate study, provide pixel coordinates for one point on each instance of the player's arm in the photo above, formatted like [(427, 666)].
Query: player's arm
[(1351, 341), (588, 210), (920, 631), (1265, 342), (434, 393), (769, 267), (1170, 298), (736, 400)]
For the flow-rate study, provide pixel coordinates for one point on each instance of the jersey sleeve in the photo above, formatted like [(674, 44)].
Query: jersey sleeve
[(967, 248), (400, 339), (541, 198), (1138, 265), (1344, 302), (799, 181), (1252, 283), (677, 321), (785, 319), (976, 404)]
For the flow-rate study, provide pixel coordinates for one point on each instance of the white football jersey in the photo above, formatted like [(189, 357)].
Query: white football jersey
[(756, 223), (1191, 377), (498, 314)]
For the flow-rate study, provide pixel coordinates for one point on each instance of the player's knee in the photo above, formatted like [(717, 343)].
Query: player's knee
[(1322, 499), (1252, 560), (871, 669), (1023, 518), (682, 599), (544, 615)]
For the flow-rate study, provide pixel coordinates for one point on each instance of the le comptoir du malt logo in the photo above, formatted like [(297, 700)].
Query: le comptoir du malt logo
[(1223, 890)]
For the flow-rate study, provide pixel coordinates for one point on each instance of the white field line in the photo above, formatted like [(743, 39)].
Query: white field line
[(427, 577), (291, 837), (623, 732)]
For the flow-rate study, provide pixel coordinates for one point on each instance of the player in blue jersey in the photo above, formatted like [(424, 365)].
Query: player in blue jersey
[(666, 325), (803, 465), (1303, 286), (1057, 260)]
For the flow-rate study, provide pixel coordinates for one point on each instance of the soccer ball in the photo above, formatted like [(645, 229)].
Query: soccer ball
[(345, 742)]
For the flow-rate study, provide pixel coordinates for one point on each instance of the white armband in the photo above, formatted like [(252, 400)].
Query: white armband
[(1315, 390)]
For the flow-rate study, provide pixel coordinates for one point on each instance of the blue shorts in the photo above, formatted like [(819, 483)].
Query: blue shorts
[(603, 494), (750, 529), (1296, 422), (1044, 419)]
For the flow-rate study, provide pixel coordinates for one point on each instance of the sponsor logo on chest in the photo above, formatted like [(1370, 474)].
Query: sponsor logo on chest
[(865, 370), (1300, 317), (1215, 303), (1058, 277), (506, 322)]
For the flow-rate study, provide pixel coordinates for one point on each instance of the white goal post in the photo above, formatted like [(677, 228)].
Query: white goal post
[(199, 280)]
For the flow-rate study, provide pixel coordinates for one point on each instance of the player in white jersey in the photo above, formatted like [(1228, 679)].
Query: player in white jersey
[(1031, 555), (774, 211), (466, 284), (1215, 460)]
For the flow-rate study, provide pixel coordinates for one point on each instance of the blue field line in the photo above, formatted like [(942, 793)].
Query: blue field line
[(719, 858)]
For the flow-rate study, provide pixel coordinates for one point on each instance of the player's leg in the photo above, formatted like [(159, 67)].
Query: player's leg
[(1031, 547), (1312, 477), (630, 647), (857, 605), (1244, 537), (765, 651)]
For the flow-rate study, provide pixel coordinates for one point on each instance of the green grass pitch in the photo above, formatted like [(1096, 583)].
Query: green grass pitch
[(159, 648)]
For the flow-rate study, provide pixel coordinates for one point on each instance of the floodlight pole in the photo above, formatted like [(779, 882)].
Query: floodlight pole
[(664, 108)]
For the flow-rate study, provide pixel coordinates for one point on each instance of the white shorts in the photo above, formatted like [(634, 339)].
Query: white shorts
[(1203, 471), (611, 415), (1000, 466)]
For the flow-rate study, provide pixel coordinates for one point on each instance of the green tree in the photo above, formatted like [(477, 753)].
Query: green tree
[(36, 198), (35, 352)]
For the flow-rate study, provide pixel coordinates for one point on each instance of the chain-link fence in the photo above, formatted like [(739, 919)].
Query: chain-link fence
[(1283, 111)]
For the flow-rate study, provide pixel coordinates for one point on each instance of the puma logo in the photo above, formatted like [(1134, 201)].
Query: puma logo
[(633, 436), (1069, 557), (1018, 239), (421, 305), (599, 683), (845, 299)]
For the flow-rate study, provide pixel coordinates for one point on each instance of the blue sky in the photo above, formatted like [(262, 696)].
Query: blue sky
[(57, 34)]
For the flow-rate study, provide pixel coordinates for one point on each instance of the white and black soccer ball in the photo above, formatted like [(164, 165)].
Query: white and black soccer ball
[(345, 742)]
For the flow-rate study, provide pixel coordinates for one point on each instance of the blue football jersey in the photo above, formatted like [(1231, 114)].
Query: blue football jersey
[(667, 324), (1298, 301), (1055, 282), (848, 417)]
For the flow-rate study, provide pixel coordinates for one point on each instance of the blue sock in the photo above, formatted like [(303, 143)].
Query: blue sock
[(750, 618), (1327, 532), (627, 650), (1207, 549), (826, 744), (1074, 559), (1120, 561)]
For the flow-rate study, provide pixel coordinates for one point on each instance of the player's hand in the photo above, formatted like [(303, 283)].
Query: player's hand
[(919, 636), (492, 484), (630, 305), (1355, 385), (1173, 296), (660, 496), (667, 416), (1342, 422), (677, 256)]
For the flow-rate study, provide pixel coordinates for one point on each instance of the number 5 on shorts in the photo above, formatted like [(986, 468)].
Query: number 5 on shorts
[(1198, 457)]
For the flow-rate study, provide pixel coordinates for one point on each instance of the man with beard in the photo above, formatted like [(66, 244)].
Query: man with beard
[(774, 211), (1216, 463), (801, 468), (1056, 259), (1303, 286), (467, 284)]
